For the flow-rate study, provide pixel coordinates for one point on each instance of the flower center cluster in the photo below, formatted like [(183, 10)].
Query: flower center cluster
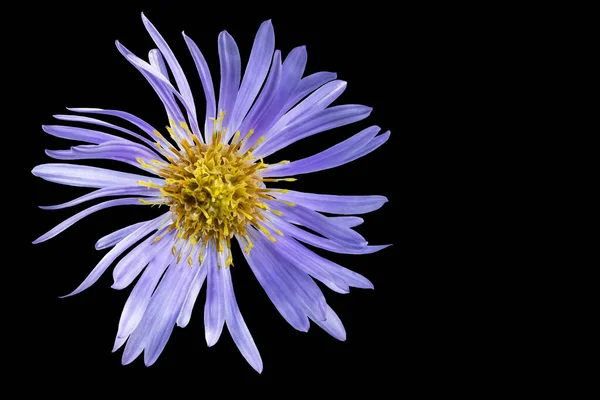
[(214, 191)]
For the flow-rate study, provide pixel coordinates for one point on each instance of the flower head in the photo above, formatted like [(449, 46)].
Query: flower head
[(212, 190)]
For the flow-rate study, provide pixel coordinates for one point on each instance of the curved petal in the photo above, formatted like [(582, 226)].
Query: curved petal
[(84, 176), (304, 259), (332, 157), (291, 72), (116, 251), (265, 99), (231, 67), (70, 221), (132, 119), (130, 266), (94, 121), (207, 85), (237, 326), (333, 204), (81, 134), (332, 325), (190, 299), (313, 220), (320, 121), (317, 101), (180, 79), (113, 238), (307, 85), (263, 267), (254, 76), (128, 153), (156, 60), (105, 192), (320, 242), (138, 300)]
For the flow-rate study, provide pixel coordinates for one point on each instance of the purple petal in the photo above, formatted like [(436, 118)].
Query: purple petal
[(214, 308), (94, 121), (166, 316), (317, 101), (332, 157), (276, 288), (308, 85), (140, 123), (67, 223), (190, 299), (322, 243), (320, 121), (291, 72), (84, 176), (320, 224), (265, 99), (229, 57), (254, 76), (117, 151), (116, 251), (81, 134), (332, 203), (156, 60), (237, 326), (130, 266), (139, 298), (105, 192), (113, 238), (207, 85), (332, 325), (349, 222), (182, 83), (304, 259)]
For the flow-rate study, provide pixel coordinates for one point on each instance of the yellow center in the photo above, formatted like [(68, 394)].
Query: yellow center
[(214, 191)]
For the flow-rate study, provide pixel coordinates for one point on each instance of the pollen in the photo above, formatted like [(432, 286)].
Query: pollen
[(214, 191)]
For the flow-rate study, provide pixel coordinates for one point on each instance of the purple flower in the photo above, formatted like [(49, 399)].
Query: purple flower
[(213, 190)]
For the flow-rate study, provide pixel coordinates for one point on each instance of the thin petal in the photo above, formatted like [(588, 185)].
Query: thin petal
[(182, 83), (94, 121), (113, 238), (128, 153), (156, 60), (320, 224), (308, 85), (190, 299), (278, 290), (322, 243), (307, 261), (254, 76), (237, 326), (332, 157), (334, 204), (207, 84), (129, 267), (265, 99), (140, 123), (84, 176), (70, 221), (116, 251), (292, 70), (317, 101), (138, 300), (214, 308), (106, 192), (229, 57), (320, 121), (349, 222), (81, 134)]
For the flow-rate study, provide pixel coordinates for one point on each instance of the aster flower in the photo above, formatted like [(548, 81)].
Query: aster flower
[(211, 191)]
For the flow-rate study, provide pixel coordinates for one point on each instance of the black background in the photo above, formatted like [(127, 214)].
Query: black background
[(77, 65)]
